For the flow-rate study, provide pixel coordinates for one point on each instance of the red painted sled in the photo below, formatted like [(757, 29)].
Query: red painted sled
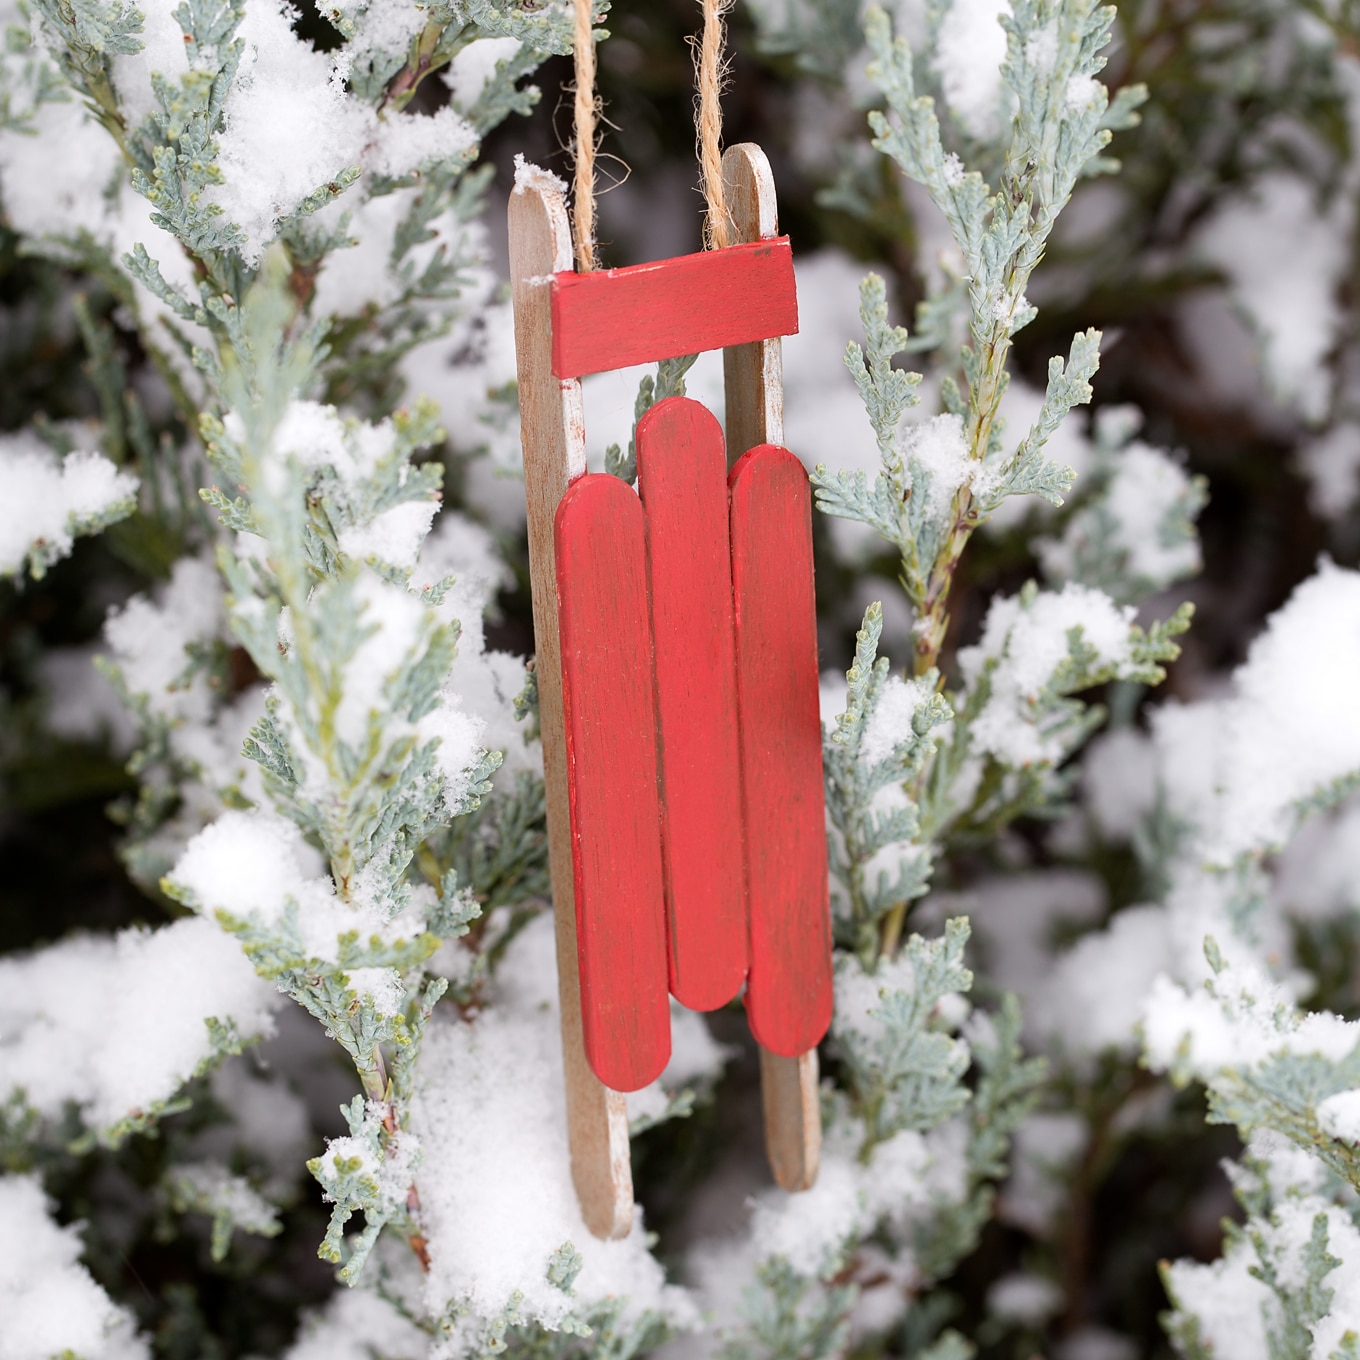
[(678, 687)]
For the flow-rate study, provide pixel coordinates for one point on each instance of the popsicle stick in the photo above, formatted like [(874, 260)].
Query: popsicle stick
[(613, 780), (614, 318), (793, 1118), (754, 379), (553, 435), (753, 374), (788, 988), (682, 478)]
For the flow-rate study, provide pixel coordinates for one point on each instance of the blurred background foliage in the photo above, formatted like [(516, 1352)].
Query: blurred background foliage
[(1225, 88)]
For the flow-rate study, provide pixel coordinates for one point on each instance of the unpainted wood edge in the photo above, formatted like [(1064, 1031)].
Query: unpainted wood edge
[(791, 1103), (553, 439), (753, 375), (754, 380)]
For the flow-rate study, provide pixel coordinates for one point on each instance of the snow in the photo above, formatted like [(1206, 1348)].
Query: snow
[(1318, 875), (889, 725), (117, 1025), (466, 75), (1240, 1020), (393, 536), (45, 503), (381, 987), (938, 447), (1292, 726), (396, 624), (247, 864), (495, 1185), (1093, 996), (357, 1324), (1147, 496), (1331, 463), (150, 640), (208, 1187), (1026, 1299), (1119, 777), (411, 141), (969, 50), (1228, 1302), (50, 1303), (1285, 257), (1339, 1115), (1026, 644), (529, 176), (82, 705), (255, 866), (290, 127), (1045, 1147), (46, 194)]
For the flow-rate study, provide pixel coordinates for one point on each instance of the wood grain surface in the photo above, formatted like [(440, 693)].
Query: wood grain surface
[(682, 478), (614, 318), (788, 989), (753, 376), (552, 431)]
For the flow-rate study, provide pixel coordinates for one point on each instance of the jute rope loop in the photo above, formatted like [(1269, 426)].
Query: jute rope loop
[(710, 73), (585, 113)]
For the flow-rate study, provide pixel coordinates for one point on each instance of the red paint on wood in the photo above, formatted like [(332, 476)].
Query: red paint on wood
[(682, 477), (610, 719), (788, 994), (613, 318)]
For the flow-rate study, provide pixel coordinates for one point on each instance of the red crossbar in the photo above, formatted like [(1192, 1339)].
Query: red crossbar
[(615, 318)]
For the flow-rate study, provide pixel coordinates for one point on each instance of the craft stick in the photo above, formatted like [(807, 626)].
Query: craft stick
[(753, 376), (618, 317), (553, 435), (791, 1104), (753, 373), (788, 987), (682, 479), (613, 780)]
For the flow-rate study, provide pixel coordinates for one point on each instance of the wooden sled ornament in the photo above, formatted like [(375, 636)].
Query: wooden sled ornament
[(677, 680)]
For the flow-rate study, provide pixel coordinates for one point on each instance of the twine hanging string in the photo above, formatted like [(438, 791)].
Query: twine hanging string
[(585, 113), (710, 75)]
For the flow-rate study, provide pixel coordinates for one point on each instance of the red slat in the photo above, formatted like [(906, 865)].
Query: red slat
[(610, 719), (788, 994), (617, 317), (682, 477)]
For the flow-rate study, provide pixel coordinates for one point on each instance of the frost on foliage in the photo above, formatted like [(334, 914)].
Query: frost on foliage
[(369, 1170), (1039, 647), (229, 1200), (116, 1026), (1285, 1285), (876, 747), (254, 871), (1267, 1065), (357, 1324), (50, 1303), (1292, 730), (495, 1184), (969, 49), (1133, 533), (46, 502), (1285, 258), (904, 1183), (940, 480)]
